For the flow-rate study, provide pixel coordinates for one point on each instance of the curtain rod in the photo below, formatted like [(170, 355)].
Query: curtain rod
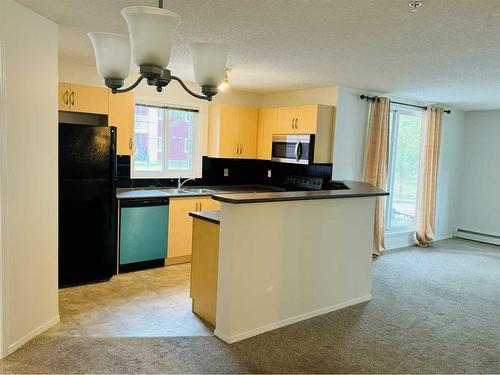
[(372, 98)]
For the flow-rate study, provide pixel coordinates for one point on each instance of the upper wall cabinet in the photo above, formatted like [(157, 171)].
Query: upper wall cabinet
[(232, 131), (64, 91), (300, 119), (268, 122), (121, 115), (83, 98), (306, 119)]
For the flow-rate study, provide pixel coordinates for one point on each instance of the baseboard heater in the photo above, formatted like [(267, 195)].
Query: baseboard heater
[(478, 236)]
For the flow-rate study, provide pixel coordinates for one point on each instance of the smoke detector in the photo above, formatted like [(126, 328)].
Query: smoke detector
[(414, 5)]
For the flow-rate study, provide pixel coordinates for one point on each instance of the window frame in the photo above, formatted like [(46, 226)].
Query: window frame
[(395, 111), (196, 170)]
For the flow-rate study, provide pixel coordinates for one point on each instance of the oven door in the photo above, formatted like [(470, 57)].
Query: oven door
[(293, 148)]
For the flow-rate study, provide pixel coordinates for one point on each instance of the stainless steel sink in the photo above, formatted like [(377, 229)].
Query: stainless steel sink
[(198, 191), (183, 191), (174, 191)]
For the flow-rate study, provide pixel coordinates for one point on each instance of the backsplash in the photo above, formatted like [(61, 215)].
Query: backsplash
[(241, 171)]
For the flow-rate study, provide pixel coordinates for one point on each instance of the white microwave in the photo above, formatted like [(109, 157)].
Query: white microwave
[(293, 148)]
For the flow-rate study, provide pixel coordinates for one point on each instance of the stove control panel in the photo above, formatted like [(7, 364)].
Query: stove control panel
[(304, 182)]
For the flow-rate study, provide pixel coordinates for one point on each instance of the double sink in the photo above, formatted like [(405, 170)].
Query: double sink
[(186, 191), (163, 193), (191, 191)]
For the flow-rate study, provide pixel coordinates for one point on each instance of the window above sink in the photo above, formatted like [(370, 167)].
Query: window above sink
[(166, 142)]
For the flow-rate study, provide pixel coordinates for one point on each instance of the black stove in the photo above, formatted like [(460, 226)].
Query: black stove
[(302, 183), (307, 183)]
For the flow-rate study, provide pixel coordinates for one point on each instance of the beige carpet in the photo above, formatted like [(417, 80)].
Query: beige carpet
[(433, 310)]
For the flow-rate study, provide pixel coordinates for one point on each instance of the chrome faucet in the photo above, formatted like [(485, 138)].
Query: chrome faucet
[(180, 183)]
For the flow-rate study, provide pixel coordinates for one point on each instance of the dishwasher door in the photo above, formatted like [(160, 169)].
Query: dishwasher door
[(143, 233)]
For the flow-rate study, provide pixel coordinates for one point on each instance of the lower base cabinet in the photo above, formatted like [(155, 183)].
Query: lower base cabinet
[(204, 269), (180, 226)]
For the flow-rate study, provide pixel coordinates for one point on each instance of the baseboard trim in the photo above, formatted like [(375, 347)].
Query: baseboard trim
[(477, 236), (230, 339), (178, 260), (399, 240), (443, 237), (45, 326)]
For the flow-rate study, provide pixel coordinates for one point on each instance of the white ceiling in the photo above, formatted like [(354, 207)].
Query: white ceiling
[(447, 52)]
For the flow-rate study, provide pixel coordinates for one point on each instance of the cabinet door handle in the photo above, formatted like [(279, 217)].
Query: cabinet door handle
[(72, 98), (241, 149), (130, 144), (201, 207), (296, 120), (66, 97)]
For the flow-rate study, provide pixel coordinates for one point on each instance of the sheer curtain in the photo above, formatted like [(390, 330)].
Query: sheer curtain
[(376, 164), (428, 171)]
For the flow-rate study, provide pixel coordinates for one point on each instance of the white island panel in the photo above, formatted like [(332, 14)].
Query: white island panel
[(283, 262)]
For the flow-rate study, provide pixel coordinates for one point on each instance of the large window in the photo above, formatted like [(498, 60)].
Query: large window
[(404, 151), (166, 142)]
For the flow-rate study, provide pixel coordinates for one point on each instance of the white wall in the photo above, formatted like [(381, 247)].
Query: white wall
[(28, 176), (350, 134), (450, 165), (479, 199), (173, 94)]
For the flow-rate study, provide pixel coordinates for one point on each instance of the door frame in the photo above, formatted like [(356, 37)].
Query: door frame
[(3, 154)]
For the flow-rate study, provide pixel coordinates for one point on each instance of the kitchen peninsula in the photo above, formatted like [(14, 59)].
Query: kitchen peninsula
[(277, 258)]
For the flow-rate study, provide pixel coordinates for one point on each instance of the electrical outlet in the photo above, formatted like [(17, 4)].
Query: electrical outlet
[(269, 173), (226, 172)]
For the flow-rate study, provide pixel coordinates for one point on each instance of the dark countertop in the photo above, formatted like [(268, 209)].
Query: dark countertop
[(211, 216), (168, 192), (356, 189)]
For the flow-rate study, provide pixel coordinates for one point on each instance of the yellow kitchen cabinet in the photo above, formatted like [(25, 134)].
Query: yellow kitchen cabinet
[(268, 121), (121, 115), (232, 131), (248, 122), (64, 91), (306, 118), (83, 98), (223, 131), (302, 119), (286, 120), (180, 226), (204, 269)]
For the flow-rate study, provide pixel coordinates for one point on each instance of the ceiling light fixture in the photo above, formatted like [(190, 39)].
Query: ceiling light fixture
[(148, 43), (225, 84), (414, 5)]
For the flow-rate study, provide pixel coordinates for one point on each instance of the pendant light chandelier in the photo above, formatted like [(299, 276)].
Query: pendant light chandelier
[(149, 42)]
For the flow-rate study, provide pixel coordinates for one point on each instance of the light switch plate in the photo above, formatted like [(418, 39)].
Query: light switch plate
[(269, 173), (226, 172)]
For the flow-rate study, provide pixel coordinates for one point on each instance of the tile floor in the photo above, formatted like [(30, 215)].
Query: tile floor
[(144, 303)]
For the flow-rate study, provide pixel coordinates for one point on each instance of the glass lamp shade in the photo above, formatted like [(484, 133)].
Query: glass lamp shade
[(151, 31), (209, 61), (112, 55)]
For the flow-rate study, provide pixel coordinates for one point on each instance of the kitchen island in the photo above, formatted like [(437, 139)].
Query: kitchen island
[(288, 256)]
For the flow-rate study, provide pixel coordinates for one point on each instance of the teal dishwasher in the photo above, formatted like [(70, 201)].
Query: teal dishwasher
[(143, 233)]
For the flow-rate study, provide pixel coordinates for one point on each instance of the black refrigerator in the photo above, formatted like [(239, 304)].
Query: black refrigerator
[(87, 208)]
